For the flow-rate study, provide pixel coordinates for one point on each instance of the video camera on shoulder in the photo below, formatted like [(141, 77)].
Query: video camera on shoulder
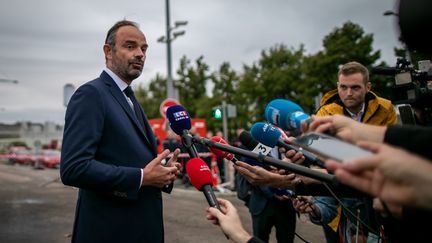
[(412, 90)]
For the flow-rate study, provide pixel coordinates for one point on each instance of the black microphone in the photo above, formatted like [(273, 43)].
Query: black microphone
[(265, 133), (252, 144), (389, 71), (180, 123), (301, 170)]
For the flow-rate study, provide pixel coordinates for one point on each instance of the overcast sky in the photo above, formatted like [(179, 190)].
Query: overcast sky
[(46, 44)]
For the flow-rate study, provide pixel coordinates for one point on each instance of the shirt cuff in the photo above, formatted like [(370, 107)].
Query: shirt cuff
[(142, 177)]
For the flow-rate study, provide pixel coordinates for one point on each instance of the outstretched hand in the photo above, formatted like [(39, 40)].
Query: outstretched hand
[(155, 174), (229, 221), (257, 175), (347, 129), (391, 174)]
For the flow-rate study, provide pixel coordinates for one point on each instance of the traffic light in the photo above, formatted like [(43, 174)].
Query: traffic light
[(217, 112)]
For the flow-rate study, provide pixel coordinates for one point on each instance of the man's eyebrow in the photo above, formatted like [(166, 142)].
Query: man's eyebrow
[(130, 42)]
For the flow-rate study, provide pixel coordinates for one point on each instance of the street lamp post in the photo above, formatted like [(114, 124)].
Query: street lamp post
[(4, 80), (168, 38), (407, 53)]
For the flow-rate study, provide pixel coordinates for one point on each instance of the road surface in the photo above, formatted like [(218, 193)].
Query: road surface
[(36, 207)]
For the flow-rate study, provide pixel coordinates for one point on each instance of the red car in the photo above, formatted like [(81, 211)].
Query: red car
[(22, 156), (49, 158)]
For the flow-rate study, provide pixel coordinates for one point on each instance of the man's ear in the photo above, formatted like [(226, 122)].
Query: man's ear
[(108, 51), (368, 86)]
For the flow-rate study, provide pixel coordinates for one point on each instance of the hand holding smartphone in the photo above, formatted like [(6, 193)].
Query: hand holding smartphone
[(328, 147)]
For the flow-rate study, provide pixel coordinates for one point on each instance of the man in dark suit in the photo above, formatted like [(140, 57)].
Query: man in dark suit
[(109, 150)]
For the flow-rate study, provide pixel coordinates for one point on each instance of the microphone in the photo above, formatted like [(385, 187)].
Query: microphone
[(390, 71), (301, 170), (270, 136), (285, 114), (222, 154), (180, 123), (252, 144), (201, 178)]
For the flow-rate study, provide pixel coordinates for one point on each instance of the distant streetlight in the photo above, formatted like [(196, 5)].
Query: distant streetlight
[(4, 80), (390, 12), (168, 38), (407, 53)]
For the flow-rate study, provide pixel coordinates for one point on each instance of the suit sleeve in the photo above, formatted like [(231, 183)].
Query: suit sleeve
[(413, 138), (82, 134)]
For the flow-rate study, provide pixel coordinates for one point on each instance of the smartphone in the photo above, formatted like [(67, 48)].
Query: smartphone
[(328, 147)]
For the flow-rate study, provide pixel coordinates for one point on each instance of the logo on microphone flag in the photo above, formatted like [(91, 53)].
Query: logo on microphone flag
[(180, 115)]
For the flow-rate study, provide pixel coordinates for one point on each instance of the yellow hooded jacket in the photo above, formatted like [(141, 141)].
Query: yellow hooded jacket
[(378, 111)]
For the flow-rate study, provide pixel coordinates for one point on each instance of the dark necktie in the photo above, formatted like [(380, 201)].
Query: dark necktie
[(129, 93)]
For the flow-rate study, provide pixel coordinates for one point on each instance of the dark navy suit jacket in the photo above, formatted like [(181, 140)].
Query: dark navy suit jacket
[(104, 148)]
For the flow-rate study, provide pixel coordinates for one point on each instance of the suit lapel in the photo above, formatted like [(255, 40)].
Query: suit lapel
[(119, 97), (148, 130)]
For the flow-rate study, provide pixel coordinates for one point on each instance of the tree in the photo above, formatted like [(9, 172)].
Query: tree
[(151, 98), (277, 74), (225, 82), (344, 44), (192, 84), (280, 72)]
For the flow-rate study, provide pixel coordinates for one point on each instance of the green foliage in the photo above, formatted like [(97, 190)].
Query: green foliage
[(191, 84), (280, 72), (225, 81), (342, 45), (277, 74), (18, 144), (150, 98)]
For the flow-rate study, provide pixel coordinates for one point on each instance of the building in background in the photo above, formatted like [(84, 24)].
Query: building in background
[(46, 134)]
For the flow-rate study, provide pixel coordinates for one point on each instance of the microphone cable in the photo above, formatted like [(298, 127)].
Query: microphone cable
[(301, 238), (351, 213)]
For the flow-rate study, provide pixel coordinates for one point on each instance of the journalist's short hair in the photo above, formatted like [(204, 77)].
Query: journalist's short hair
[(353, 68)]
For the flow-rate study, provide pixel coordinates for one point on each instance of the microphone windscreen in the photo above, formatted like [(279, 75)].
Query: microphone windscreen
[(199, 173), (247, 140), (278, 112), (219, 153), (178, 118), (250, 143), (265, 133), (391, 71)]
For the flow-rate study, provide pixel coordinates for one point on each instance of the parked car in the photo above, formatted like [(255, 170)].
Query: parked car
[(49, 158), (12, 152), (22, 156)]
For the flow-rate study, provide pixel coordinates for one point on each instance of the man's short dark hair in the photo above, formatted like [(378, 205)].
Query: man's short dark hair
[(353, 68), (111, 35)]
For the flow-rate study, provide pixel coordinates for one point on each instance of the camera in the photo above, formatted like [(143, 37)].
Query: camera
[(411, 91)]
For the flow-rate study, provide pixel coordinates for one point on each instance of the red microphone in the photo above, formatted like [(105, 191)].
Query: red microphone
[(201, 178), (222, 154)]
